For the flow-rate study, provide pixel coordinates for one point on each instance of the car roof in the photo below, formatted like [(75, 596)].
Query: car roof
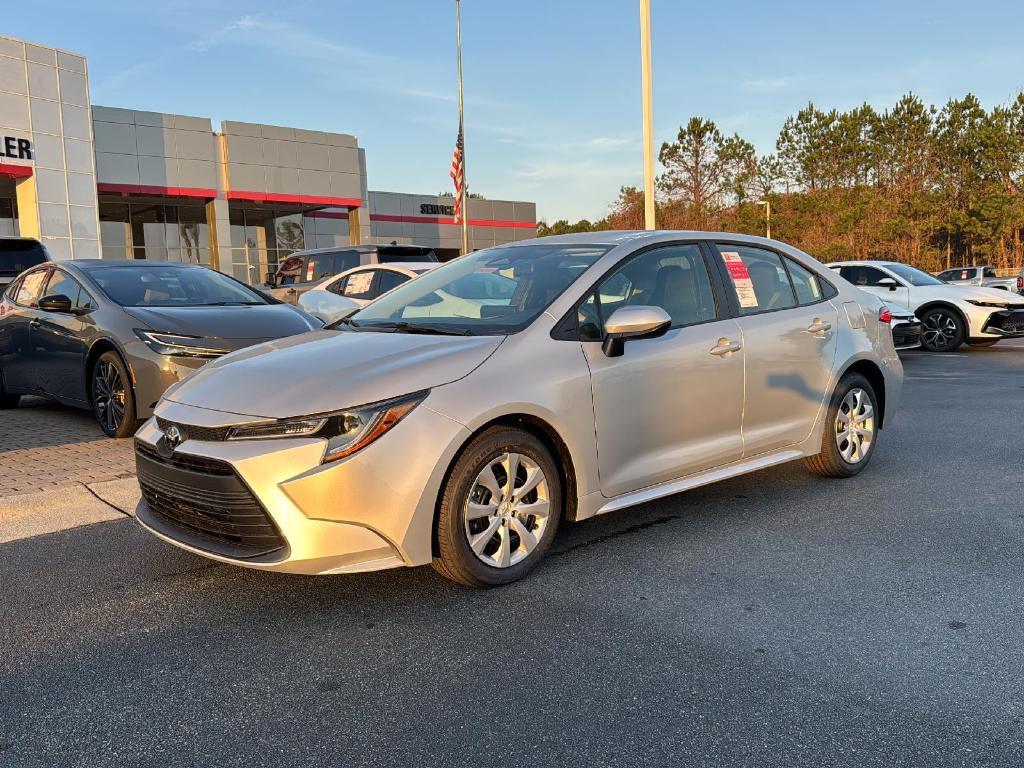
[(412, 266), (622, 236), (91, 264)]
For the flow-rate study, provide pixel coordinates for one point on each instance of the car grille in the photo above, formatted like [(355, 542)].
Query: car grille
[(192, 432), (1010, 322), (203, 503), (906, 335)]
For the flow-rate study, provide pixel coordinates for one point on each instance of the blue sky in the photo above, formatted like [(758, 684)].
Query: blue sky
[(552, 86)]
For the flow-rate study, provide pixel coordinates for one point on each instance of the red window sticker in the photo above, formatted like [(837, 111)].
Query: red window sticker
[(309, 271), (740, 279)]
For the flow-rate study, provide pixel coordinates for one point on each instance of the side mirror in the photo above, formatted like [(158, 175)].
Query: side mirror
[(888, 282), (637, 322), (56, 302)]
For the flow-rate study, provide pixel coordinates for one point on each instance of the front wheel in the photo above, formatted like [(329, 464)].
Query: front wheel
[(851, 430), (942, 330), (113, 401), (499, 511)]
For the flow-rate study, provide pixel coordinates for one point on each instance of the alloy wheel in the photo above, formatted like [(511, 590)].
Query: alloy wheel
[(108, 395), (940, 330), (855, 426), (507, 510)]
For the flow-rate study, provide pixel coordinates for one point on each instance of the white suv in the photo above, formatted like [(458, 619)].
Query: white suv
[(950, 314)]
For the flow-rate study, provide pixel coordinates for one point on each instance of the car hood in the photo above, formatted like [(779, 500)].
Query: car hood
[(329, 370), (245, 323), (971, 293)]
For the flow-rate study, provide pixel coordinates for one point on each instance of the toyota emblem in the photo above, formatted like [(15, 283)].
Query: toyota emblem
[(173, 437)]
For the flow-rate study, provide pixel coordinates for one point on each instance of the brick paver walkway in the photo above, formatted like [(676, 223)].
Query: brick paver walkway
[(44, 446)]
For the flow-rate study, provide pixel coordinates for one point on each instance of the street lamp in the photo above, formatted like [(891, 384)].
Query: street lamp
[(648, 109), (767, 217)]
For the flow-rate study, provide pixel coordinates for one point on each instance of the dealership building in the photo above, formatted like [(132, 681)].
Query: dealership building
[(92, 181)]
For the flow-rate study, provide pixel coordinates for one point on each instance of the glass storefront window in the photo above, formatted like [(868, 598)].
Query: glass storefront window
[(8, 218), (145, 229)]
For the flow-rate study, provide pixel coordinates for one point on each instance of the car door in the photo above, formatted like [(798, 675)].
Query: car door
[(61, 339), (788, 331), (867, 278), (669, 406), (18, 365)]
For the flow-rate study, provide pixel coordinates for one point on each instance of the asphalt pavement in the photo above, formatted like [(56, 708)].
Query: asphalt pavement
[(772, 620)]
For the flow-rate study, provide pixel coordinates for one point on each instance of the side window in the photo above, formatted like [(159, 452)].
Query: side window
[(12, 289), (359, 285), (30, 288), (346, 260), (989, 272), (807, 285), (389, 280), (338, 286), (863, 276), (63, 283), (320, 265), (674, 278), (758, 278)]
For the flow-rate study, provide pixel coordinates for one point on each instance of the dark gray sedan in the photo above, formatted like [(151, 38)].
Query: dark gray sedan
[(112, 335)]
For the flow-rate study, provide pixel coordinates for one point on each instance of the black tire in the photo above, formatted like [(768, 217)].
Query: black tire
[(455, 558), (831, 462), (942, 330), (113, 400), (982, 343), (7, 400)]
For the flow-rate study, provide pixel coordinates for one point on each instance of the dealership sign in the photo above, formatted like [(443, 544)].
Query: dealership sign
[(15, 148), (429, 209)]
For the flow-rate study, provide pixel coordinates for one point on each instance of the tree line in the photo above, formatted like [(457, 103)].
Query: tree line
[(933, 187)]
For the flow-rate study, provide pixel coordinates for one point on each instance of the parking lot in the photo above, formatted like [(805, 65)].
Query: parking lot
[(774, 619)]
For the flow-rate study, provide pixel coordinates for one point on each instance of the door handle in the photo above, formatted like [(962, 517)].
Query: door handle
[(724, 348), (819, 327)]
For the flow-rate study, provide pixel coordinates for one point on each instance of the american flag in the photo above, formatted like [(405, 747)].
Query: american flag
[(458, 173)]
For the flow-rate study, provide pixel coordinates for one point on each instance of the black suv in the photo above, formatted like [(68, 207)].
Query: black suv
[(18, 254)]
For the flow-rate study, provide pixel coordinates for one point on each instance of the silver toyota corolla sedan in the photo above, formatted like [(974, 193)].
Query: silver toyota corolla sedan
[(622, 367)]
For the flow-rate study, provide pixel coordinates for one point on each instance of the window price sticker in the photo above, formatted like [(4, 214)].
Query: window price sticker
[(740, 279)]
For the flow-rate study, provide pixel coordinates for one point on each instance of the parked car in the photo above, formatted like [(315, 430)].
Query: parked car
[(982, 276), (906, 327), (950, 314), (304, 269), (112, 335), (624, 366), (333, 298), (18, 254)]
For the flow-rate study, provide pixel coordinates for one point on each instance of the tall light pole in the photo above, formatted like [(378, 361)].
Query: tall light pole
[(767, 217), (648, 107)]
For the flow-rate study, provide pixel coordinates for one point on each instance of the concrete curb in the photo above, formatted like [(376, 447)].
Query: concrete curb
[(34, 514)]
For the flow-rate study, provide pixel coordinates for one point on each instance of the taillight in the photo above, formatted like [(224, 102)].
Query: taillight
[(884, 315), (1020, 283)]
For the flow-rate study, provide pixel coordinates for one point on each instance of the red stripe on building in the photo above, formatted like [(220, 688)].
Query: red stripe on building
[(146, 189), (442, 220), (273, 197), (16, 171)]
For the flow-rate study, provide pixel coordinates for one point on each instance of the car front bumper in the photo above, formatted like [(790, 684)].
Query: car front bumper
[(1007, 323), (906, 334), (228, 500)]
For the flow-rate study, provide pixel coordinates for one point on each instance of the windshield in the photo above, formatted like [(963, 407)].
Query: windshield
[(496, 291), (18, 255), (172, 287), (913, 275)]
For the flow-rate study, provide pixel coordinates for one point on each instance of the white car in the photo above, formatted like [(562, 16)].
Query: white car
[(336, 297), (950, 314)]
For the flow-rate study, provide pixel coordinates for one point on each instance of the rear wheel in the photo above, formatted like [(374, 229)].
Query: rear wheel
[(851, 430), (113, 401), (499, 510), (942, 330)]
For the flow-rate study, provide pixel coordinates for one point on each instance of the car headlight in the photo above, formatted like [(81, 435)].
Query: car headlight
[(990, 304), (177, 344), (346, 431)]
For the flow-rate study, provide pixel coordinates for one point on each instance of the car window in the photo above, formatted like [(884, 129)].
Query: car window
[(989, 272), (30, 288), (912, 275), (321, 265), (159, 286), (758, 279), (862, 276), (809, 288), (18, 255), (674, 277), (389, 280), (359, 285), (63, 284), (391, 255), (435, 302)]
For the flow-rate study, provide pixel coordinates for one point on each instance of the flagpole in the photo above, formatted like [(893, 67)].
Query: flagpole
[(465, 186)]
